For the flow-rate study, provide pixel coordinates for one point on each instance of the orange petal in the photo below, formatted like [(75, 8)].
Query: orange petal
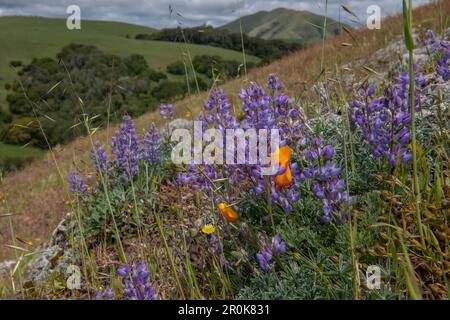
[(228, 212), (284, 155), (284, 180)]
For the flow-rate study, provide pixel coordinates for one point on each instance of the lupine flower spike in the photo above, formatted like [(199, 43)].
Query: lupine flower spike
[(268, 250)]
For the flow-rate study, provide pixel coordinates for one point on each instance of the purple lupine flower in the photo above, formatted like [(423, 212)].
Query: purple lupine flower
[(76, 184), (125, 146), (136, 281), (151, 142), (384, 121), (268, 250), (216, 114), (440, 48), (274, 84), (99, 159), (123, 270), (262, 110), (328, 152), (109, 293), (262, 261), (278, 245), (166, 111), (325, 182), (273, 110), (217, 248)]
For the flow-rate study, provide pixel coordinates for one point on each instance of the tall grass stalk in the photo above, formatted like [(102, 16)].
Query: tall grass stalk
[(346, 127), (188, 55), (407, 23), (55, 161), (13, 242), (353, 229), (108, 122), (324, 35), (86, 258), (408, 271), (169, 254), (244, 58), (103, 178), (269, 204)]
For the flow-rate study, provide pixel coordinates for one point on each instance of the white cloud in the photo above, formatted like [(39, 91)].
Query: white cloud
[(155, 13)]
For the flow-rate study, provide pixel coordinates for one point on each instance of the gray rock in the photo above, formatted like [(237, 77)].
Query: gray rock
[(6, 267), (54, 256)]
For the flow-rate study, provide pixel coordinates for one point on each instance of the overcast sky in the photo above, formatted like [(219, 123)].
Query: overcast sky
[(155, 13)]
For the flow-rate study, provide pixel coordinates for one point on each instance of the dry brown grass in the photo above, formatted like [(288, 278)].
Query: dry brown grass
[(38, 196)]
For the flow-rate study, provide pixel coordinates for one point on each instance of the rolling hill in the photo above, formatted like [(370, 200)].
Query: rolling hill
[(284, 24), (24, 38)]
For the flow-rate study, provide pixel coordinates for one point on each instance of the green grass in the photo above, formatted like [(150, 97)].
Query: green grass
[(15, 156), (24, 38), (283, 24)]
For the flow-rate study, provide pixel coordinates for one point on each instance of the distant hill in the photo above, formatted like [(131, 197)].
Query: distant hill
[(284, 24), (25, 38)]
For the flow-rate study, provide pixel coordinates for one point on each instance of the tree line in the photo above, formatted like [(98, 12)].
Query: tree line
[(267, 50)]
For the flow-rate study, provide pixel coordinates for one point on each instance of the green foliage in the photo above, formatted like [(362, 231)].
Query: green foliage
[(14, 157), (24, 131), (42, 37), (212, 66), (317, 264), (284, 24), (15, 63), (267, 50), (169, 90), (5, 116), (176, 68), (128, 215), (53, 96)]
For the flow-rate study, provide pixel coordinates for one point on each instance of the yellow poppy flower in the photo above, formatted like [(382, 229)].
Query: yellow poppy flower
[(228, 212), (208, 229)]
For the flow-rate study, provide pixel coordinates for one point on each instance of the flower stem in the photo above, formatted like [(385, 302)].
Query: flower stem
[(269, 204), (416, 189)]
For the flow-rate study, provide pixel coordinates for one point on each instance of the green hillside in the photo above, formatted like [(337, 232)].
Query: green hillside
[(284, 24), (24, 38), (14, 157)]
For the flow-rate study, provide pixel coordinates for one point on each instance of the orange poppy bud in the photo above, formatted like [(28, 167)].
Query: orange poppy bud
[(228, 212)]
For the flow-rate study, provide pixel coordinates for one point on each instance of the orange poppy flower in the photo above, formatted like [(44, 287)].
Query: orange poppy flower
[(284, 180), (284, 155), (228, 212)]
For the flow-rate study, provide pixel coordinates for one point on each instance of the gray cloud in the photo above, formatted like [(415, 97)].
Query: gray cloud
[(155, 13)]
